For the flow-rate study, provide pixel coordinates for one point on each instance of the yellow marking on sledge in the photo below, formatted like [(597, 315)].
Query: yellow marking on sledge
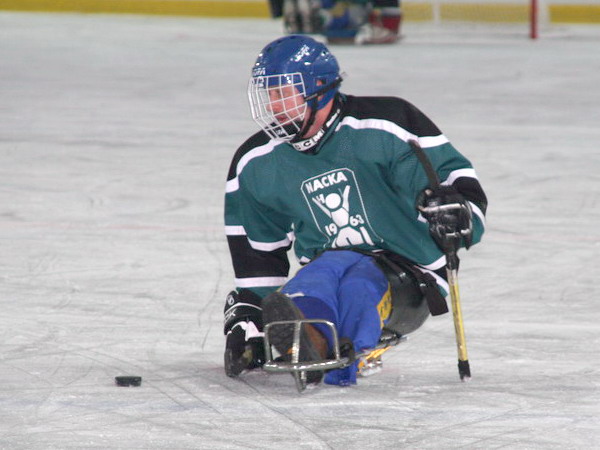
[(384, 307)]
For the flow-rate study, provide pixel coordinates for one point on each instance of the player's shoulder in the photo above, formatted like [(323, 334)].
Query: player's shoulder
[(256, 141), (392, 109), (380, 107)]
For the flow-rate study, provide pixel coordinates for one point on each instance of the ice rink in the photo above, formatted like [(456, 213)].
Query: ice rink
[(115, 138)]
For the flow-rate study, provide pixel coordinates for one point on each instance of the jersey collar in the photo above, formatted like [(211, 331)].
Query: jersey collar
[(311, 145)]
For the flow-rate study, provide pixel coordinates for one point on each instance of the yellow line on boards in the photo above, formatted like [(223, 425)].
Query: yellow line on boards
[(413, 11)]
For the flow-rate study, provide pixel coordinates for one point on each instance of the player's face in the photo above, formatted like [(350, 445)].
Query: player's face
[(286, 103)]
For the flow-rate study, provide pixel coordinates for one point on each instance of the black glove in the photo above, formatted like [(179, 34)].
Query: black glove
[(449, 216), (244, 348)]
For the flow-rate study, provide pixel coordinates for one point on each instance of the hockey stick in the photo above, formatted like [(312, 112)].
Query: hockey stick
[(450, 250)]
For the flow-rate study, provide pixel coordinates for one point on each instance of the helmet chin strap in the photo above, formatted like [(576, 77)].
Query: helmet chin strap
[(308, 123), (313, 103)]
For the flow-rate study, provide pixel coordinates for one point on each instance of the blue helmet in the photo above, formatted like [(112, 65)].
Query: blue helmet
[(292, 76), (301, 54)]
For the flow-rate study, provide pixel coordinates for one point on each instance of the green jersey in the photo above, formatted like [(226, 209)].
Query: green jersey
[(355, 186)]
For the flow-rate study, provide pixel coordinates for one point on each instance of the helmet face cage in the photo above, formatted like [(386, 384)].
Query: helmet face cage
[(277, 104)]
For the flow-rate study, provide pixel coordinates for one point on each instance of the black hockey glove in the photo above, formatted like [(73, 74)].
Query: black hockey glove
[(449, 216), (243, 327)]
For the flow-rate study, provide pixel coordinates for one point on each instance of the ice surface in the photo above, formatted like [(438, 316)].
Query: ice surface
[(115, 137)]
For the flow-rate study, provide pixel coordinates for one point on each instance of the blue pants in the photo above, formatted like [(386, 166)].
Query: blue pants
[(345, 288)]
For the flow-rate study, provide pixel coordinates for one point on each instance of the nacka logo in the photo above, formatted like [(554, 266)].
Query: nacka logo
[(337, 208)]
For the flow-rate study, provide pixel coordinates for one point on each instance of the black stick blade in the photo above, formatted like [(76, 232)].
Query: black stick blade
[(464, 370)]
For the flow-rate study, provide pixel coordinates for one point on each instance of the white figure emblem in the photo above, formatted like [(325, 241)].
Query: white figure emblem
[(337, 197)]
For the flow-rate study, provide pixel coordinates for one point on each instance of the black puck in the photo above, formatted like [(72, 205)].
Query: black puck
[(128, 380)]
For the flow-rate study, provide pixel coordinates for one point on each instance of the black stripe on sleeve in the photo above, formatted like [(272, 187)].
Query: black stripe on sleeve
[(393, 109), (472, 191), (249, 263)]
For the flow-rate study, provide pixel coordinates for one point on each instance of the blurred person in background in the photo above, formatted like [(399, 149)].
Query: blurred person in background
[(342, 21)]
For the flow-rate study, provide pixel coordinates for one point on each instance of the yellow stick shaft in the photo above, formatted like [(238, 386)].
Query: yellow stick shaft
[(459, 327)]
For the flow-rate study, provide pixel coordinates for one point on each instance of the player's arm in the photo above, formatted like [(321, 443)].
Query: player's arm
[(258, 243), (458, 179), (257, 274), (459, 203)]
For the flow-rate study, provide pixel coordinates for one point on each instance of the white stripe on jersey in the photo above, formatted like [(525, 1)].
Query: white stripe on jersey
[(455, 174), (270, 246), (438, 264), (391, 127), (260, 282), (478, 213), (239, 230), (235, 230), (233, 184), (439, 280)]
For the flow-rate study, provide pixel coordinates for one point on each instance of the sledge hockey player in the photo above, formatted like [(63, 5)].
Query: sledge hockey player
[(335, 176), (342, 21)]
